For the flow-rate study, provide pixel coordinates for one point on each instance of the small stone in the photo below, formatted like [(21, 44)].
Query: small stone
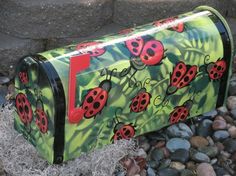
[(220, 135), (199, 157), (153, 164), (212, 113), (198, 141), (232, 87), (222, 110), (141, 153), (180, 130), (187, 172), (205, 128), (219, 117), (150, 172), (232, 131), (157, 154), (177, 143), (191, 165), (229, 119), (220, 146), (160, 144), (210, 140), (4, 80), (219, 125), (180, 155), (164, 164), (213, 161), (233, 157), (230, 145), (177, 165), (168, 172), (231, 102), (211, 151), (233, 114), (225, 154), (205, 169), (220, 171)]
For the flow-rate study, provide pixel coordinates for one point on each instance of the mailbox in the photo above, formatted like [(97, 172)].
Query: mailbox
[(83, 96)]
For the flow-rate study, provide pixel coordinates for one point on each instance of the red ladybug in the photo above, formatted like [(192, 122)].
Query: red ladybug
[(150, 53), (216, 69), (141, 101), (178, 27), (23, 77), (41, 120), (122, 131), (93, 53), (24, 109), (180, 113), (181, 77)]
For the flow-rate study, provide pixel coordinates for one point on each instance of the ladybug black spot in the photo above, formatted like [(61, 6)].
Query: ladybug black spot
[(150, 52), (211, 72), (86, 107), (90, 99), (215, 66), (146, 57), (191, 72), (26, 109), (181, 84), (143, 102), (96, 52), (127, 132), (144, 95), (19, 100), (43, 121), (154, 45), (215, 75), (91, 112), (134, 44), (185, 111), (179, 110), (175, 114), (180, 66), (135, 50), (23, 99), (186, 79), (90, 52), (135, 103), (182, 116), (95, 92), (178, 73), (20, 109), (219, 68), (96, 105), (175, 79), (101, 97)]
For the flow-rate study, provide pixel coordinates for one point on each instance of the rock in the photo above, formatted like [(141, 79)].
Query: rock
[(180, 130), (153, 164), (180, 155), (233, 157), (212, 113), (198, 141), (4, 80), (205, 169), (187, 172), (145, 146), (205, 128), (232, 131), (220, 135), (229, 119), (219, 125), (141, 153), (3, 93), (191, 165), (210, 140), (230, 145), (220, 146), (219, 117), (2, 171), (150, 172), (177, 143), (53, 19), (130, 12), (222, 110), (157, 154), (199, 157), (177, 165), (213, 161), (211, 151), (225, 155), (164, 164), (233, 114), (168, 172), (232, 87), (220, 171), (160, 144), (231, 102), (12, 49)]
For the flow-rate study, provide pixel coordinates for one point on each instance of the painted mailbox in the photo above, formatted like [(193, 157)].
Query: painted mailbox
[(83, 96)]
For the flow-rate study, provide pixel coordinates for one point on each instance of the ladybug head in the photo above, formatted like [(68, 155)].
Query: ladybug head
[(171, 90), (105, 85), (188, 104)]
